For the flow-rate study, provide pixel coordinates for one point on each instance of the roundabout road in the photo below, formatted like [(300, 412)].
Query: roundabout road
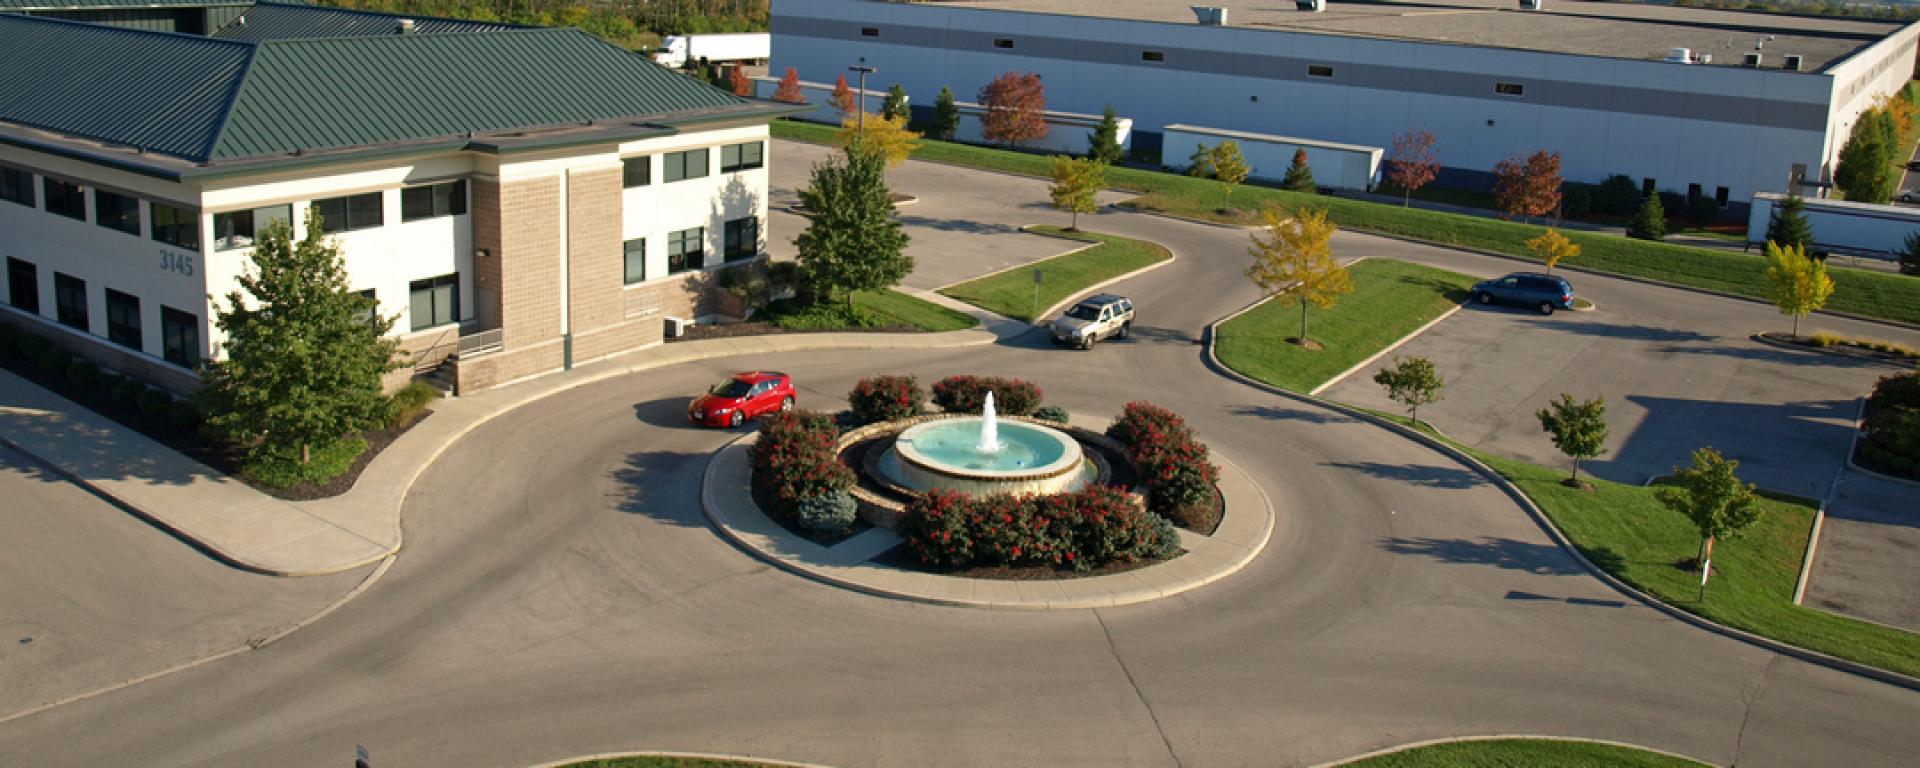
[(560, 593)]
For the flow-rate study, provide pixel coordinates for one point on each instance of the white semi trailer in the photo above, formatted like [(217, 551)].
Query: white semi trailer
[(1840, 227), (679, 50)]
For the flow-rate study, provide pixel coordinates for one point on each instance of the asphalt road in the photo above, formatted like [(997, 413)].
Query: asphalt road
[(560, 594)]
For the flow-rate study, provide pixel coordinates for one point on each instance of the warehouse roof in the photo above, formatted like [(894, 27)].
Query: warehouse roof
[(285, 21), (1612, 30), (10, 6), (208, 101)]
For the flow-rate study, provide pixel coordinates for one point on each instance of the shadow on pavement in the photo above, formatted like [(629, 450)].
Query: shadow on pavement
[(668, 412), (958, 225), (1291, 414), (1423, 476), (1519, 595), (1543, 559), (657, 484), (110, 453)]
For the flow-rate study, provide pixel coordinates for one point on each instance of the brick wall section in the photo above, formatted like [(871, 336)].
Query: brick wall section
[(492, 370), (595, 265), (486, 237), (529, 261)]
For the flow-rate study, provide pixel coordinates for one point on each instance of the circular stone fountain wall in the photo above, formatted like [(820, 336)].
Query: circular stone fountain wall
[(941, 455)]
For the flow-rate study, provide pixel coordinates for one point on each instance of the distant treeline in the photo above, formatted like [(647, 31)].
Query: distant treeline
[(632, 23), (1902, 11)]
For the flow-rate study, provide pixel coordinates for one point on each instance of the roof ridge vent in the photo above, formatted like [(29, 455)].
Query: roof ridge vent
[(405, 26)]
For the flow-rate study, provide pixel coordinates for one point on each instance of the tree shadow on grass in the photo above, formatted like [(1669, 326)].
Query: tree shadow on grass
[(1542, 559), (1453, 293)]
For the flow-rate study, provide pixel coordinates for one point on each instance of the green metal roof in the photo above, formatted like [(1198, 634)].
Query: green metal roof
[(10, 6), (209, 101), (284, 21)]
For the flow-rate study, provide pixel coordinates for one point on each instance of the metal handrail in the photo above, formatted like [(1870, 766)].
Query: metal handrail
[(480, 343)]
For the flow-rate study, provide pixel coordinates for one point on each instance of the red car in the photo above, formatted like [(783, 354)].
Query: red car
[(744, 396)]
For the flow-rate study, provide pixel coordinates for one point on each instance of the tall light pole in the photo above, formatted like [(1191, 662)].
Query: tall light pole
[(860, 105)]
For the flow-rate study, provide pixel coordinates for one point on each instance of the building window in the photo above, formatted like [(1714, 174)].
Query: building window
[(23, 285), (1319, 70), (175, 226), (368, 311), (65, 198), (742, 239), (116, 211), (179, 337), (636, 257), (686, 249), (433, 201), (742, 157), (344, 214), (1002, 42), (123, 319), (1720, 195), (435, 301), (869, 31), (70, 301), (238, 229), (691, 164), (1153, 56), (636, 172), (16, 186), (1509, 89)]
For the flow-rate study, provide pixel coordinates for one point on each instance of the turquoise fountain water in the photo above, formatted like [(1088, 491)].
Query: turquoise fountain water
[(980, 455)]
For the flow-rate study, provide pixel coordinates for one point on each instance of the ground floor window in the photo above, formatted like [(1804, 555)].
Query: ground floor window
[(23, 285), (70, 300), (686, 249), (123, 319), (742, 239), (435, 301), (179, 337), (636, 260)]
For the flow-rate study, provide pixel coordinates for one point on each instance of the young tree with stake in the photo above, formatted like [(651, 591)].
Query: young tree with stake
[(1798, 285), (1076, 181), (1579, 430), (1552, 247), (1413, 163), (1713, 498), (1294, 262), (1230, 169), (1411, 382)]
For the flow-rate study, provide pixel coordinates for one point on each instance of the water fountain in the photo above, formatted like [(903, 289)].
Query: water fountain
[(980, 455)]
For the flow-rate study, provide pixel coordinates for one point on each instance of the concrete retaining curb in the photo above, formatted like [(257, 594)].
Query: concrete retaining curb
[(686, 755), (1501, 737), (1560, 539)]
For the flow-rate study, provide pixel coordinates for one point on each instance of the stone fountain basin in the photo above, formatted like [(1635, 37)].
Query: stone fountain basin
[(1032, 459)]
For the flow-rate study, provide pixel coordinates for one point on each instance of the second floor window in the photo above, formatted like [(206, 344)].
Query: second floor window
[(636, 172), (691, 164), (16, 186), (433, 201), (742, 157), (176, 226), (343, 214), (237, 229), (116, 211), (65, 198)]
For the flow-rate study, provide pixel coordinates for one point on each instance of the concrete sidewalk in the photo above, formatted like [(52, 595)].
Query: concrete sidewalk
[(252, 530)]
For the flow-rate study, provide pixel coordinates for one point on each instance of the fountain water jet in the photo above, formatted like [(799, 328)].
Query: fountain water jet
[(989, 429)]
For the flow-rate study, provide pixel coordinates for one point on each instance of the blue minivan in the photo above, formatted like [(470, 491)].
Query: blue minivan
[(1543, 292)]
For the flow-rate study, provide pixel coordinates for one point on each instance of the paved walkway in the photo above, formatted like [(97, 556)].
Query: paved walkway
[(727, 498), (255, 531)]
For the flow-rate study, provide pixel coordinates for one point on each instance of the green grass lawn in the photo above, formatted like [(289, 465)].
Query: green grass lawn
[(907, 310), (882, 309), (1011, 293), (1389, 300), (1865, 292), (1523, 753)]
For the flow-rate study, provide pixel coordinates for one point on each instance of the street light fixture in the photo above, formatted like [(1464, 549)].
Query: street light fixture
[(860, 106)]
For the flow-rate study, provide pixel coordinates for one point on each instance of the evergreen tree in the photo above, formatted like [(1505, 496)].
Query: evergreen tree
[(852, 241), (1104, 143), (1299, 175), (1200, 163), (946, 116), (1910, 255), (303, 361), (1650, 222), (1788, 225), (895, 104)]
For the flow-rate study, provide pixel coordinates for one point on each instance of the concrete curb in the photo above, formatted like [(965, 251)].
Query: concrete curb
[(1502, 737), (1898, 365), (1559, 538), (686, 755), (1239, 539)]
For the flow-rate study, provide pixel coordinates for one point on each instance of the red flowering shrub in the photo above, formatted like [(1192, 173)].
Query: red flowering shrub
[(886, 398), (968, 394), (1082, 530), (794, 459), (938, 529), (1141, 416), (1172, 464)]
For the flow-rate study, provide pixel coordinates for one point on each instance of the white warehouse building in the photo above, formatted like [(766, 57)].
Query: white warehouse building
[(518, 198), (1754, 102)]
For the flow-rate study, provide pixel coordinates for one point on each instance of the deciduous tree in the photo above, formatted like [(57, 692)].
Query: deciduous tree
[(1104, 143), (1413, 163), (304, 355), (1712, 497), (1299, 176), (1788, 225), (1015, 104), (1076, 181), (1796, 284), (738, 82), (1551, 247), (1910, 254), (1528, 186), (1865, 171), (843, 98), (789, 88), (1412, 382), (852, 241), (1230, 169), (1293, 261), (895, 104), (887, 135), (1579, 430), (946, 115), (1650, 221)]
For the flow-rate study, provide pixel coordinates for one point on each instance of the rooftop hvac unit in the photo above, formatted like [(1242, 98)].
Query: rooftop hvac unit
[(1533, 5), (1679, 56), (405, 26), (1791, 61), (1311, 6), (1210, 16), (1750, 61)]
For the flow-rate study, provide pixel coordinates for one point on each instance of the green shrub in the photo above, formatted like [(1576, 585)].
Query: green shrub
[(1650, 221), (1703, 209), (126, 392), (407, 403), (53, 360), (1578, 201), (1618, 196), (1053, 413), (1891, 437), (183, 415), (153, 402), (83, 374), (886, 398), (281, 468), (830, 512), (794, 315), (968, 394), (31, 347), (794, 459)]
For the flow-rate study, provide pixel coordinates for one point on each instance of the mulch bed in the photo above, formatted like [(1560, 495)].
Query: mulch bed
[(220, 455), (1844, 350), (763, 328)]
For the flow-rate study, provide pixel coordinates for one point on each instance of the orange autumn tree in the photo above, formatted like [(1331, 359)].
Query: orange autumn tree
[(1015, 103), (737, 80), (789, 89), (843, 96), (1413, 163), (1528, 187)]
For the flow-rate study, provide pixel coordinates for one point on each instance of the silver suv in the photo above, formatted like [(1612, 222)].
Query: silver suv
[(1094, 319)]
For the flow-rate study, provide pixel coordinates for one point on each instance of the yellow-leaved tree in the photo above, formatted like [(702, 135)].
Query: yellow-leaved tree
[(887, 135), (1293, 261), (1552, 247), (1075, 182), (1798, 285)]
